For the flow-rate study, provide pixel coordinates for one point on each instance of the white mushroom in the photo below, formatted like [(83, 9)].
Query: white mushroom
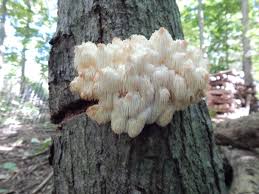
[(139, 81)]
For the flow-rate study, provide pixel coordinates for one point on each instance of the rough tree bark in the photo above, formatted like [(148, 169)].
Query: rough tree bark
[(90, 158)]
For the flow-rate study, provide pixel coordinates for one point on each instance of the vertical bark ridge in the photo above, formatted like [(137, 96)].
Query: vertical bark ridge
[(214, 157)]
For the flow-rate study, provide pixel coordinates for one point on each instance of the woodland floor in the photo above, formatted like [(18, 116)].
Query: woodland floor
[(24, 158), (24, 164)]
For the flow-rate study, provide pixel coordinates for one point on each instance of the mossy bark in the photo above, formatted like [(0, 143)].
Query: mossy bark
[(90, 158)]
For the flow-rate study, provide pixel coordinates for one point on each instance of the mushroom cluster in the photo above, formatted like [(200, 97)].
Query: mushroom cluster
[(139, 81)]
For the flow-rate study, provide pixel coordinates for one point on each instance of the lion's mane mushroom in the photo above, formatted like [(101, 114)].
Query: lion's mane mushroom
[(139, 81)]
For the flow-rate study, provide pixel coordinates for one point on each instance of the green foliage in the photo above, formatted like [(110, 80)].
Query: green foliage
[(37, 88), (253, 34), (212, 113), (43, 54), (43, 146), (12, 56), (43, 39), (222, 20), (26, 109), (190, 23), (28, 22), (3, 190), (28, 18), (35, 140), (222, 31), (9, 166), (39, 147)]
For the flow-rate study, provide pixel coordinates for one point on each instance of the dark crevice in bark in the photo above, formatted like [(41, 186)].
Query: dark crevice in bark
[(228, 172), (51, 154), (98, 11), (71, 110), (61, 153), (72, 185), (56, 40), (103, 186), (129, 165), (177, 173), (142, 190), (124, 5)]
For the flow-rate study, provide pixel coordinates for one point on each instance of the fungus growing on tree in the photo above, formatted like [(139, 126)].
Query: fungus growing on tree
[(138, 81)]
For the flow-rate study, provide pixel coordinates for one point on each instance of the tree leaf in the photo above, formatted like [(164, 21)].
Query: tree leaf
[(35, 141), (3, 190), (9, 166)]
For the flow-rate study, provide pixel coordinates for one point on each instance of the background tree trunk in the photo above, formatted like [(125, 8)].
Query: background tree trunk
[(2, 21), (2, 27), (90, 158), (24, 49), (201, 23), (22, 78), (247, 61), (251, 101)]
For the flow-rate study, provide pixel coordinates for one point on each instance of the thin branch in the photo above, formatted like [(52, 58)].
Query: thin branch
[(44, 182)]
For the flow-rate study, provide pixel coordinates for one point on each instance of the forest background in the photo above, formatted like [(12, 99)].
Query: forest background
[(26, 28), (218, 27)]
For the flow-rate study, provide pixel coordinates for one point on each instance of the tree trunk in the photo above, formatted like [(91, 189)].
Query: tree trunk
[(2, 21), (247, 62), (2, 27), (22, 79), (23, 54), (201, 23), (90, 158)]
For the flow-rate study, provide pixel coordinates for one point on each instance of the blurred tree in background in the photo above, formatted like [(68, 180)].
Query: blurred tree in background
[(31, 21), (2, 28), (26, 27), (222, 31), (246, 57)]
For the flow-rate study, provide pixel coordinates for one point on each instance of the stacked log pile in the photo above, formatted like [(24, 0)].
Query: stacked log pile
[(227, 92)]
